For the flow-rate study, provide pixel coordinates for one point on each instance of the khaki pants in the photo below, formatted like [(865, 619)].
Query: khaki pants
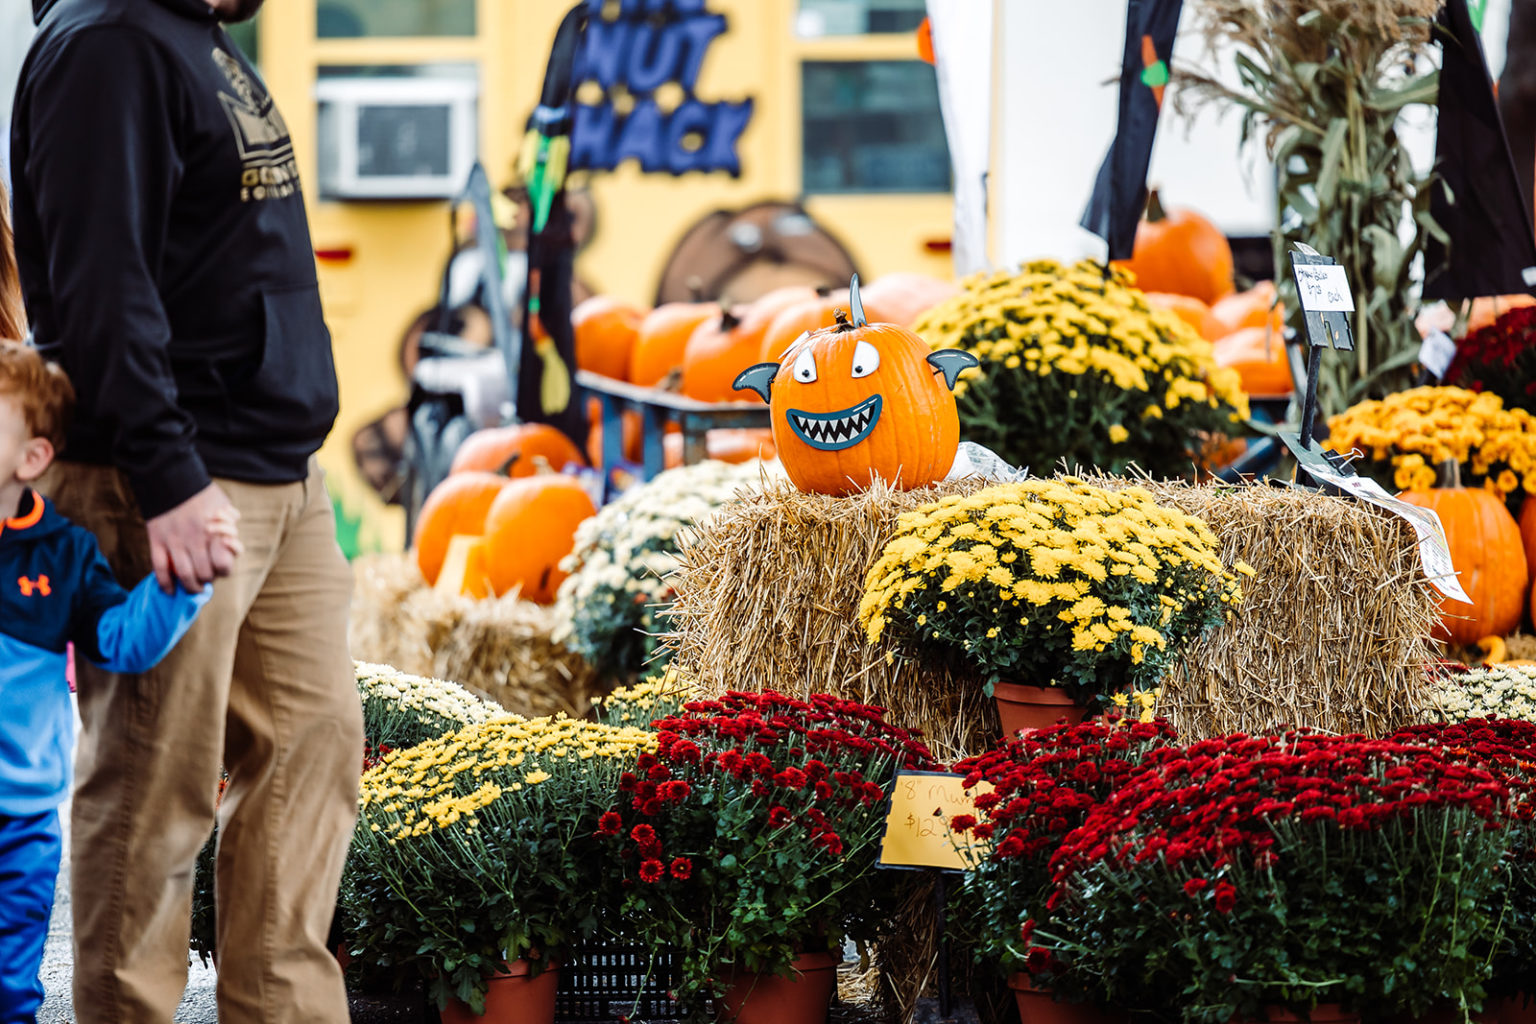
[(262, 685)]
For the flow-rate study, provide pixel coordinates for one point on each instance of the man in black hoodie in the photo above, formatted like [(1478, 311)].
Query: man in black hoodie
[(166, 263)]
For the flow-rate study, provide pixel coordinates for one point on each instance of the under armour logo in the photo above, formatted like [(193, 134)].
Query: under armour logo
[(38, 586)]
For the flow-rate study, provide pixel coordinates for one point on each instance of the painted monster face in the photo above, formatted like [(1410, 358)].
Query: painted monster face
[(857, 401)]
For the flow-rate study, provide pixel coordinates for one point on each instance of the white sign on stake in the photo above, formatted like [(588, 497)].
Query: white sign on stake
[(1436, 354), (1324, 288), (1434, 549)]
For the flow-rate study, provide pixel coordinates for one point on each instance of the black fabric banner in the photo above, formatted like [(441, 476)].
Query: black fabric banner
[(1120, 192), (1485, 215), (546, 391)]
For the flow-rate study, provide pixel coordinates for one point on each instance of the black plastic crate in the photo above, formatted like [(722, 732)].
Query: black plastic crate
[(607, 982)]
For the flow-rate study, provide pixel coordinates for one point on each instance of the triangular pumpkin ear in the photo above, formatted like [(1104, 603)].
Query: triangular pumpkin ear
[(757, 378), (950, 361)]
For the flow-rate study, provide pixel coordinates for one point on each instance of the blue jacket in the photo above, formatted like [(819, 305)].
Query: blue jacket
[(55, 587)]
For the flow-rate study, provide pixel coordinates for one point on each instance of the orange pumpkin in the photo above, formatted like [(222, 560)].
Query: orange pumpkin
[(857, 401), (663, 337), (1180, 251), (530, 527), (902, 297), (1255, 307), (606, 330), (789, 324), (734, 445), (1191, 310), (457, 505), (718, 350), (515, 447), (1486, 552), (1258, 356)]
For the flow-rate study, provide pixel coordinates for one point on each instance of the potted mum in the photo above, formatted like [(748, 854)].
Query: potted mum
[(1056, 592), (1506, 748), (474, 865), (1044, 786), (1077, 366), (748, 844), (1242, 877)]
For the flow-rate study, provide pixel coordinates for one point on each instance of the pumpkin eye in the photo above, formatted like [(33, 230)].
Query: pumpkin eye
[(805, 367), (866, 359)]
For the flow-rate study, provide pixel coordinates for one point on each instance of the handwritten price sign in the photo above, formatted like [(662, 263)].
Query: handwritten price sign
[(917, 832), (1324, 289)]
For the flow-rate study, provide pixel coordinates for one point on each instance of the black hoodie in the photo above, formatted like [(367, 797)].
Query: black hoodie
[(164, 252)]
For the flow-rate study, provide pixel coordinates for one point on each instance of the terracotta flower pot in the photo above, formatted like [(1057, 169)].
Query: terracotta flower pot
[(512, 997), (770, 999), (1039, 1006), (1030, 708), (1324, 1013)]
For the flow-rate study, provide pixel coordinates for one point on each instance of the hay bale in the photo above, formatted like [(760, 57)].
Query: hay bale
[(499, 649), (1334, 631), (380, 631)]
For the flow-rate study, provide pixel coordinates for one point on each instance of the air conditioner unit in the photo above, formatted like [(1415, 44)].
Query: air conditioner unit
[(395, 138)]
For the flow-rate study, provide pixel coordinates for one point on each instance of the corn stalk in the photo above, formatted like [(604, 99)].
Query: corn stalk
[(1323, 83)]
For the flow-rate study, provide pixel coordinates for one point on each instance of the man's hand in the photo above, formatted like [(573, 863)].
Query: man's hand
[(187, 543)]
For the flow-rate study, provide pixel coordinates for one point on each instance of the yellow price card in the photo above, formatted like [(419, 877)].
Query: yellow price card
[(917, 832)]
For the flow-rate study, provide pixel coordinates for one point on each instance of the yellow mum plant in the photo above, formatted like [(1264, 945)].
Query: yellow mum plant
[(1406, 435), (658, 696), (481, 846), (1076, 365), (1050, 582)]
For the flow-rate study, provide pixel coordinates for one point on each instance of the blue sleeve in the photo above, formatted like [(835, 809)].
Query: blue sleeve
[(133, 636)]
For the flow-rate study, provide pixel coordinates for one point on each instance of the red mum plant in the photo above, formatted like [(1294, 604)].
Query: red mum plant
[(1241, 873), (1506, 748), (752, 834), (1500, 358), (1044, 786)]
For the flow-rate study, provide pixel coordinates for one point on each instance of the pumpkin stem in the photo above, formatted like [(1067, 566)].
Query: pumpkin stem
[(505, 469), (1155, 211), (1448, 474), (841, 316), (729, 320)]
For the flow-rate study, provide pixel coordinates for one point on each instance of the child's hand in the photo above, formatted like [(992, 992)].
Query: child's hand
[(223, 532)]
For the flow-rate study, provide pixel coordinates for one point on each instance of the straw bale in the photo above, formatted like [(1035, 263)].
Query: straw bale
[(499, 648), (1333, 633)]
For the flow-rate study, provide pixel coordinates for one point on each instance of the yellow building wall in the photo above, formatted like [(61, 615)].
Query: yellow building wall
[(398, 249)]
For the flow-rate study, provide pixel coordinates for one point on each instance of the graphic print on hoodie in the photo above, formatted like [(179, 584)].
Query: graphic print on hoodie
[(55, 587)]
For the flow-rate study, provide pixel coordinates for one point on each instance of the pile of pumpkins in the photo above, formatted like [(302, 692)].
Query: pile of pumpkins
[(699, 348), (1184, 264), (504, 518), (1494, 555)]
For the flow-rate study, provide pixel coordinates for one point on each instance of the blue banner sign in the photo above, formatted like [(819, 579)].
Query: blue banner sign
[(649, 44)]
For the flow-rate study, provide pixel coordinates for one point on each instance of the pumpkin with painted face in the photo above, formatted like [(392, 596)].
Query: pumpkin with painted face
[(858, 401)]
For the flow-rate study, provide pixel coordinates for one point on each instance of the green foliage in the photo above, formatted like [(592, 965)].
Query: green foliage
[(1325, 84), (1387, 923)]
